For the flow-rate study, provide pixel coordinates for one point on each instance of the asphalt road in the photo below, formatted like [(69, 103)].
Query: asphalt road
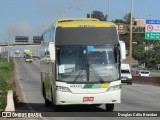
[(135, 97)]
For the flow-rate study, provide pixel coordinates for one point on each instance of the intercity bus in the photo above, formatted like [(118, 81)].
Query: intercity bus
[(80, 63), (28, 55)]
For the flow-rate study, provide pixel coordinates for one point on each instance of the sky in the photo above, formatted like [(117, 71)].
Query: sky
[(31, 17)]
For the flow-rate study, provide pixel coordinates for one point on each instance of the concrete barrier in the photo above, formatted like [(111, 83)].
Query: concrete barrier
[(146, 80), (10, 103)]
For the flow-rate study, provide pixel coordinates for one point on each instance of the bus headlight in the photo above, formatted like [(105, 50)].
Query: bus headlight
[(63, 89), (113, 88)]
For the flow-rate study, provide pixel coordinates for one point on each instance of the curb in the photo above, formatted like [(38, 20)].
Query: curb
[(10, 103)]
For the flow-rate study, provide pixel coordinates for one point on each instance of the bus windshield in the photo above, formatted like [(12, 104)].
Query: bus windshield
[(86, 63), (29, 56)]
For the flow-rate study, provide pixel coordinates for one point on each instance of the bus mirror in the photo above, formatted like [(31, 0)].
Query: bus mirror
[(52, 51), (122, 50)]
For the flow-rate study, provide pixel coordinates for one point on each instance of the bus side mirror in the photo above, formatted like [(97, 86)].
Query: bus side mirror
[(52, 50), (122, 50)]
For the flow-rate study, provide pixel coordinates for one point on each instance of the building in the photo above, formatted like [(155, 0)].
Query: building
[(140, 22)]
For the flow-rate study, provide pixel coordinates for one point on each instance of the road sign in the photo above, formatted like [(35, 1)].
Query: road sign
[(152, 35), (37, 39), (21, 38), (149, 28), (121, 28), (152, 30)]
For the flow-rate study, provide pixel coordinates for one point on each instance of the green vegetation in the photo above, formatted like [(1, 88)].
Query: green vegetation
[(97, 14), (138, 52), (6, 83)]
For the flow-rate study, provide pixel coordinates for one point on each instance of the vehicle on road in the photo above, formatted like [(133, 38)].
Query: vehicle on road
[(17, 54), (144, 73), (80, 63), (28, 55), (126, 75)]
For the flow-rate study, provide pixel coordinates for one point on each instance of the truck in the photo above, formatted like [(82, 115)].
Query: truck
[(17, 54), (126, 76), (28, 55)]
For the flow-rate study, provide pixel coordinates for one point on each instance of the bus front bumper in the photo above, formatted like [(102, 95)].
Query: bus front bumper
[(67, 98), (29, 60)]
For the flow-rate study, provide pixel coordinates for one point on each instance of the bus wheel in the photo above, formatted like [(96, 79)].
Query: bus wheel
[(57, 108), (109, 107), (47, 103)]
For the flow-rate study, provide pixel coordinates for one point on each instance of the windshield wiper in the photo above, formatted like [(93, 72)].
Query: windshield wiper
[(100, 78), (76, 78)]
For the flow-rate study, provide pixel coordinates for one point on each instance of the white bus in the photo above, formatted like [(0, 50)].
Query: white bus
[(80, 63)]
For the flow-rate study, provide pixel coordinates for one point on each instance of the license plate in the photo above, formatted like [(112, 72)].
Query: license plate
[(88, 99)]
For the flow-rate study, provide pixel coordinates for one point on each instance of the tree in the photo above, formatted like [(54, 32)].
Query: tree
[(152, 56), (150, 59), (157, 54), (98, 14), (138, 53), (118, 21), (127, 18)]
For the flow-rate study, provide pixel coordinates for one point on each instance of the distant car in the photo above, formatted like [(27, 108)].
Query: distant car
[(126, 76), (144, 73)]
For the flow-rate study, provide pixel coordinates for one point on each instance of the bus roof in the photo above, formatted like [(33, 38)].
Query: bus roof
[(83, 22), (75, 19), (28, 52)]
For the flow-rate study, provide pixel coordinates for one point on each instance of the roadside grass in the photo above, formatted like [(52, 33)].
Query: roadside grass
[(6, 80)]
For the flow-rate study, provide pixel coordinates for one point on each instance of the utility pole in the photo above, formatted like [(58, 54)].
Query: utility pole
[(108, 10), (78, 8), (8, 47), (90, 8), (130, 50)]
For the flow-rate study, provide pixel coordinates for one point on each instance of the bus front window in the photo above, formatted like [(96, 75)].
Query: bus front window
[(102, 63), (71, 63), (86, 64)]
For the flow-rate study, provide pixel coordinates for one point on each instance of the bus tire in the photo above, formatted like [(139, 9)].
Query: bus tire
[(43, 91), (57, 108), (47, 103), (109, 107)]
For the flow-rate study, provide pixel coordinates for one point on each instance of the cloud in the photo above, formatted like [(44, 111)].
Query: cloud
[(41, 28), (21, 27)]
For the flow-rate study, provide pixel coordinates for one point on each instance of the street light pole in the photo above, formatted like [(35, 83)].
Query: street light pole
[(130, 50), (108, 10), (90, 8), (79, 7), (8, 48)]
